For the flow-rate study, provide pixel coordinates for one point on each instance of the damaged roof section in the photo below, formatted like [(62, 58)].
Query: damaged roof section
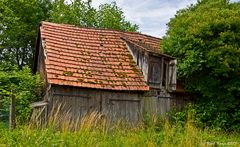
[(93, 58), (142, 45)]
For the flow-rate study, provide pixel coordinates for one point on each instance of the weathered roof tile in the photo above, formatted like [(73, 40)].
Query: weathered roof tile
[(92, 58)]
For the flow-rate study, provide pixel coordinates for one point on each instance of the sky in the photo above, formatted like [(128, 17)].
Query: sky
[(151, 15)]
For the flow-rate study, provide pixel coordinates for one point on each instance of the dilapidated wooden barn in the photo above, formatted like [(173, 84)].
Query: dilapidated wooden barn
[(120, 74)]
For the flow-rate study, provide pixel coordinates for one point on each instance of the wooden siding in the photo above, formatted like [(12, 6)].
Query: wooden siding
[(129, 106), (155, 72), (41, 64), (160, 74), (159, 71), (162, 105), (141, 58), (115, 105)]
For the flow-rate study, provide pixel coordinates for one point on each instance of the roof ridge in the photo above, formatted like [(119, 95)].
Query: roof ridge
[(92, 28)]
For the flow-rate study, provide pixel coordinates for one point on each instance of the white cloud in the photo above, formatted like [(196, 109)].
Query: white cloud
[(96, 3), (151, 15)]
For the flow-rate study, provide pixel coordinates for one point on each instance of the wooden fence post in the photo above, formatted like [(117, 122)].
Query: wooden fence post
[(12, 115)]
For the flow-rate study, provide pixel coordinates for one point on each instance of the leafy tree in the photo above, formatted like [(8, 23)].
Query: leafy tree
[(25, 86), (111, 16), (82, 13), (78, 12), (206, 40), (19, 20)]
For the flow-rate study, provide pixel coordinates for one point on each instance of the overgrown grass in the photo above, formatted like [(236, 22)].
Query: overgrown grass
[(93, 130)]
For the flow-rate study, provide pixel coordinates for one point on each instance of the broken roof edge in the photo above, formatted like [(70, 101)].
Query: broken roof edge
[(106, 29), (145, 49), (147, 88), (36, 52)]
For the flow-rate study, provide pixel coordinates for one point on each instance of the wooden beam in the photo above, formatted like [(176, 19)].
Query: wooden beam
[(70, 95), (128, 100)]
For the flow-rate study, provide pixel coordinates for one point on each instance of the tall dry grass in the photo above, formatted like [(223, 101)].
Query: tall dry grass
[(94, 129)]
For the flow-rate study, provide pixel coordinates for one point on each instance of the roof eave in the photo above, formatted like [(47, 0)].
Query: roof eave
[(150, 52), (145, 89), (38, 40)]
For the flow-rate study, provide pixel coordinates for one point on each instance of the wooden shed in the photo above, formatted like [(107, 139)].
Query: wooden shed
[(119, 74)]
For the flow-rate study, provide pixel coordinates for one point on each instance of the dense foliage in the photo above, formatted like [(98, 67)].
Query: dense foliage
[(82, 13), (19, 22), (23, 85), (205, 38)]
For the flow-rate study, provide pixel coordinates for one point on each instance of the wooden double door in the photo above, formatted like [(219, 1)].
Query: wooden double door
[(114, 109)]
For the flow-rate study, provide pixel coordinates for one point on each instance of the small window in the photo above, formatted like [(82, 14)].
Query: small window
[(156, 72)]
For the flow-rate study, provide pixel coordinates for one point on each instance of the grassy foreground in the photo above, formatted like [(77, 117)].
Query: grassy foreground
[(100, 134)]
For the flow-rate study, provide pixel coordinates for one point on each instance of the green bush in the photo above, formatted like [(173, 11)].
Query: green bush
[(207, 115), (205, 38), (25, 86)]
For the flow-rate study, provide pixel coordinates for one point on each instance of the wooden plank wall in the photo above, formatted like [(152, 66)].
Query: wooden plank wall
[(77, 102), (115, 105), (141, 58), (163, 105)]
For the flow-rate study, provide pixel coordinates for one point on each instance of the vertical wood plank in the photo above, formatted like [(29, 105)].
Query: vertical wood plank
[(131, 116), (12, 115), (161, 70), (167, 75)]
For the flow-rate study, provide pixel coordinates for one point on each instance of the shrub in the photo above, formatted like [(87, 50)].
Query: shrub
[(24, 85), (205, 39)]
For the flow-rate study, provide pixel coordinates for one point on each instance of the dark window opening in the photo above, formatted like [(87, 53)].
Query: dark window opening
[(164, 74), (155, 76)]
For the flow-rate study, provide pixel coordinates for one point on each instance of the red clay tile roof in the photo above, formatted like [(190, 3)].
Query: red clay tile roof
[(92, 58)]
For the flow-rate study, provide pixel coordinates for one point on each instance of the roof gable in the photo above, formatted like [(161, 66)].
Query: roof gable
[(92, 58)]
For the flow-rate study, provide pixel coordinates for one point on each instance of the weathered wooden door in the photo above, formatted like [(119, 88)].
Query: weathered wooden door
[(128, 110), (85, 105), (164, 105), (154, 75), (76, 106)]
